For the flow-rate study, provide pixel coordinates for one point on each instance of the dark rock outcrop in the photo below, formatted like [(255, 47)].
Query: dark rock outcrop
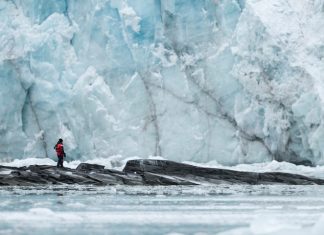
[(144, 172), (86, 167), (201, 175)]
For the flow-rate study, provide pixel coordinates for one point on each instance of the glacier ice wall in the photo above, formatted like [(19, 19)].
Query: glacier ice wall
[(235, 81)]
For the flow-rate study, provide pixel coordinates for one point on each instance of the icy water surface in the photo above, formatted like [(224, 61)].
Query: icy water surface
[(161, 210)]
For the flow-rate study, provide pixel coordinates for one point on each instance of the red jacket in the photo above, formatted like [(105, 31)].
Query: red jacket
[(59, 150)]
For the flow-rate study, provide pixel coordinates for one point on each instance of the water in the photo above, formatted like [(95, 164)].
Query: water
[(159, 210)]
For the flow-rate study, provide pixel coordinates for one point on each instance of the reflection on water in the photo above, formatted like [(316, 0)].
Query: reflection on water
[(156, 210)]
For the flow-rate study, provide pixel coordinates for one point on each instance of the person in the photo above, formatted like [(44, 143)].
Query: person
[(60, 153)]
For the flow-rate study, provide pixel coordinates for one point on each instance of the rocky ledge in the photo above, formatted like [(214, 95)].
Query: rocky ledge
[(143, 172)]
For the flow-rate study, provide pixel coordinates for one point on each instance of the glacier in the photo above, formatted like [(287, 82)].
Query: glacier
[(230, 81)]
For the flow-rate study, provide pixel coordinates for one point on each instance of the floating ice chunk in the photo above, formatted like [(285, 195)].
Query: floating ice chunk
[(269, 225), (76, 205), (318, 227), (42, 211)]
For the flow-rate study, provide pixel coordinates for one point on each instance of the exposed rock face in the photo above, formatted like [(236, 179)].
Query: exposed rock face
[(84, 174), (199, 175), (143, 172)]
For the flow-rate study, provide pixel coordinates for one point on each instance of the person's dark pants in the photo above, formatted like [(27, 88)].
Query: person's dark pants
[(59, 161)]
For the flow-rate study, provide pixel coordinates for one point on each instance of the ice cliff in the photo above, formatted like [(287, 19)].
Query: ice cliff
[(227, 80)]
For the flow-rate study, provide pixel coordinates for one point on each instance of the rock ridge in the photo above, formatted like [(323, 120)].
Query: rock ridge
[(144, 172)]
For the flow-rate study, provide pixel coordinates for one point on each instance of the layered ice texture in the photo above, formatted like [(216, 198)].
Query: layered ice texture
[(230, 81)]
